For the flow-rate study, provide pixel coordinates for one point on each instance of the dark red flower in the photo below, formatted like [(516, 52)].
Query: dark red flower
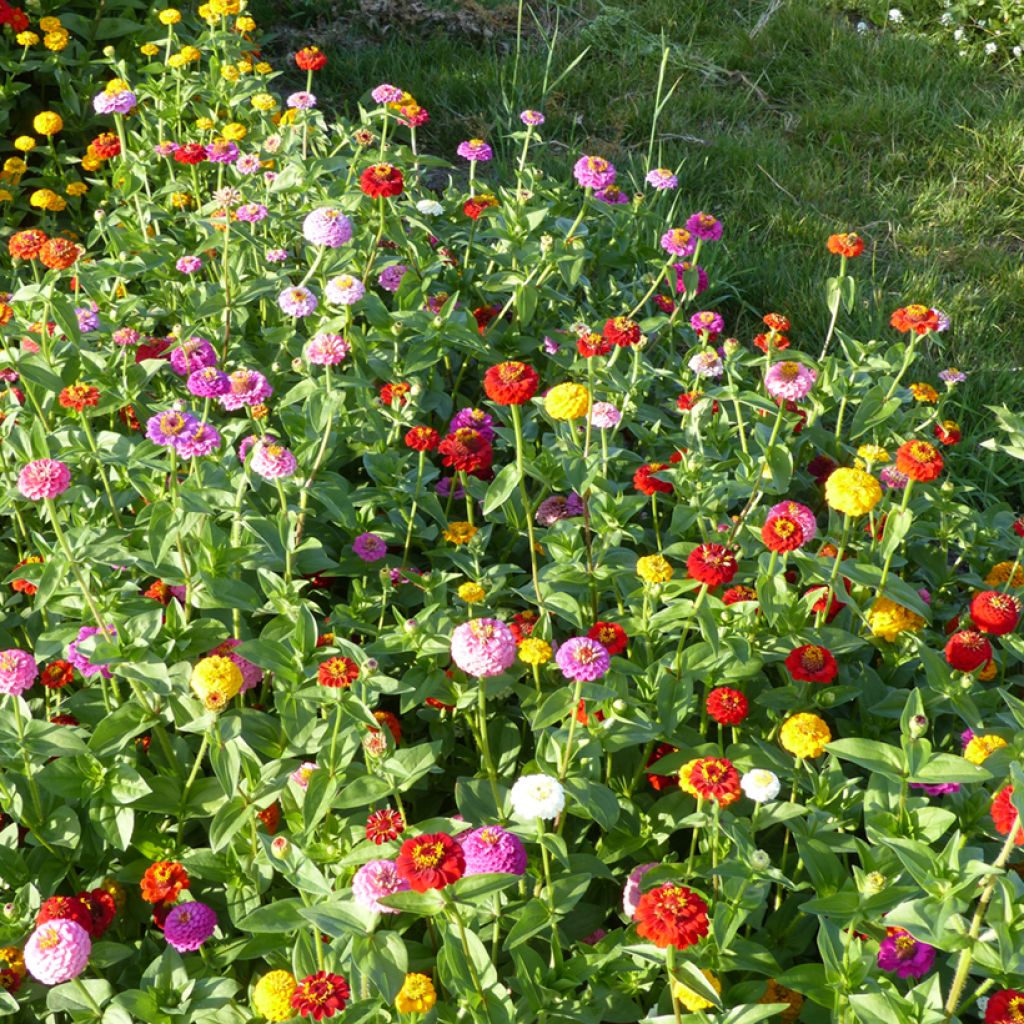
[(812, 664), (382, 181), (522, 624), (483, 315), (967, 650), (610, 635), (101, 907), (57, 674), (711, 564), (270, 818), (671, 915), (467, 451), (383, 826), (727, 706), (321, 995), (821, 467), (430, 861), (835, 606)]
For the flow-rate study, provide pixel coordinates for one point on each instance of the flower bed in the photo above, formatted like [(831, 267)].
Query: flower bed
[(417, 607)]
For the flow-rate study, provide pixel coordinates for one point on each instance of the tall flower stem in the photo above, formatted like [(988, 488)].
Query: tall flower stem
[(19, 724), (963, 965), (288, 553), (80, 578), (908, 358), (412, 510), (892, 550), (545, 859), (517, 427), (830, 589), (650, 291), (104, 479), (670, 967), (485, 743), (836, 302), (567, 755)]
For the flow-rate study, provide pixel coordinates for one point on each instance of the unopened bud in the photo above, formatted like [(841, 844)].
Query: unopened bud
[(874, 882), (918, 726), (760, 861), (280, 847)]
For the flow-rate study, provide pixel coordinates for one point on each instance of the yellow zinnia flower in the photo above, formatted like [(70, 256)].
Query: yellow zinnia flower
[(873, 453), (77, 188), (234, 132), (50, 24), (56, 41), (888, 620), (460, 533), (272, 995), (24, 143), (999, 573), (417, 994), (924, 393), (170, 16), (215, 681), (804, 735), (567, 401), (472, 593), (26, 39), (981, 746), (852, 491), (47, 123), (534, 651), (654, 569), (264, 101), (692, 1001), (149, 49)]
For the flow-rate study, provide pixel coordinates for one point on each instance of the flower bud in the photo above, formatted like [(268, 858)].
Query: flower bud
[(874, 882), (410, 625), (918, 726), (547, 242), (760, 861), (297, 365), (619, 705), (280, 847), (109, 51)]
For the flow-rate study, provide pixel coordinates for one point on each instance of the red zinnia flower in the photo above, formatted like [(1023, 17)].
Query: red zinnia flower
[(390, 393), (646, 482), (105, 146), (337, 672), (671, 915), (467, 451), (476, 205), (777, 342), (522, 625), (610, 635), (65, 908), (270, 818), (715, 778), (1005, 1007), (163, 881), (741, 592), (967, 650), (190, 153), (311, 58), (57, 674), (812, 664), (660, 782), (382, 181), (919, 460), (589, 345), (388, 719), (947, 432), (1005, 816), (621, 331), (64, 720), (782, 533), (23, 586), (727, 706), (101, 907), (688, 399), (321, 995), (383, 826), (775, 322), (430, 861), (422, 439), (581, 714), (1018, 526), (153, 348), (26, 245), (846, 244), (511, 383), (995, 613), (916, 318), (835, 606), (79, 396), (58, 253), (711, 564), (160, 912)]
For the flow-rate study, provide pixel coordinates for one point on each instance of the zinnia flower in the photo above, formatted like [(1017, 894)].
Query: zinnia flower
[(804, 735), (568, 401), (672, 915), (711, 564), (382, 181), (967, 650), (44, 479), (511, 383), (272, 996), (483, 647), (430, 861), (915, 318), (163, 881), (995, 613), (57, 951), (812, 664), (789, 381), (852, 491), (328, 227), (537, 796), (1005, 816), (760, 785), (417, 994), (919, 461), (493, 850), (713, 778), (272, 461), (654, 569), (593, 172), (610, 635), (582, 659), (888, 620), (18, 671), (903, 955), (1005, 1007), (189, 925), (727, 706), (631, 890), (321, 995)]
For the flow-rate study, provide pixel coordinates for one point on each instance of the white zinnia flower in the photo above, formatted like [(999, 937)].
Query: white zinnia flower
[(991, 48), (895, 15), (760, 785), (537, 796), (430, 207), (862, 27)]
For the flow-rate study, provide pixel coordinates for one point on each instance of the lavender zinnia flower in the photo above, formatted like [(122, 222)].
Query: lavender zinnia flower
[(298, 301), (344, 290), (662, 178), (165, 428), (533, 118), (375, 880), (707, 363), (328, 227), (583, 659), (188, 264), (391, 277)]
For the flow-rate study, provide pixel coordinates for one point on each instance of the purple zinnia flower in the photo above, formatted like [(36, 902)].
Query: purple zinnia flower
[(952, 376), (493, 850), (251, 213), (550, 346), (165, 428), (702, 277), (594, 172), (222, 151), (901, 954), (189, 925), (583, 659), (375, 880), (80, 661), (247, 387), (193, 354), (369, 547), (126, 336), (444, 487), (298, 301), (938, 789), (893, 478), (705, 227), (209, 382), (386, 93), (344, 290), (965, 737), (662, 178), (531, 118), (327, 349), (301, 101), (475, 150), (678, 242), (479, 420), (612, 195), (943, 321), (789, 381), (272, 461), (558, 507), (88, 318), (328, 227), (706, 322), (203, 440), (391, 277), (188, 264)]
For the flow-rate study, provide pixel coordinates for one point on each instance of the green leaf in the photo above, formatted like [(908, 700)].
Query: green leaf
[(227, 821), (280, 916), (876, 757), (950, 768), (501, 488), (425, 904)]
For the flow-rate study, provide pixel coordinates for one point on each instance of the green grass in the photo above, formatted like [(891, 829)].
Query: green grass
[(787, 133)]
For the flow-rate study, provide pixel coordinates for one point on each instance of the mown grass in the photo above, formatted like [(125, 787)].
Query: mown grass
[(788, 132)]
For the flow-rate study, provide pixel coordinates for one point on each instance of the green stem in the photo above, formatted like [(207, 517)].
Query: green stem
[(545, 858), (892, 550), (517, 426)]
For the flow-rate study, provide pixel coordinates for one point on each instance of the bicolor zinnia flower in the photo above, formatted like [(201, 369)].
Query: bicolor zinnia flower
[(782, 533), (163, 881), (430, 861), (713, 778), (1005, 1007), (621, 331), (337, 672), (385, 825)]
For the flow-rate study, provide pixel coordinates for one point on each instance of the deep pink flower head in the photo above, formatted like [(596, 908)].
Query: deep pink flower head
[(582, 658), (327, 349), (208, 382), (789, 381), (82, 661), (532, 118), (193, 354), (801, 513), (167, 428), (369, 547), (901, 954), (57, 951), (483, 647), (375, 880), (679, 242), (189, 925), (705, 227), (203, 439), (272, 461), (44, 478), (18, 671), (328, 227), (247, 387), (475, 150), (707, 322), (631, 890), (594, 172), (493, 850)]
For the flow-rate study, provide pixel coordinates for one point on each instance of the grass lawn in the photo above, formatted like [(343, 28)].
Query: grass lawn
[(785, 123)]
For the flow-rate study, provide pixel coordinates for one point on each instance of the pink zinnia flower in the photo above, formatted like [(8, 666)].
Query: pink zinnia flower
[(188, 264), (328, 227), (272, 461), (125, 336), (248, 163), (662, 178), (533, 118), (298, 301), (678, 242), (248, 387), (475, 150), (789, 381), (386, 93), (189, 925), (57, 951), (202, 440), (483, 647), (604, 415), (581, 658), (301, 774), (301, 101), (44, 478), (369, 547), (707, 322), (705, 227), (327, 349), (375, 880), (594, 172), (192, 354), (344, 290), (493, 850), (18, 671), (251, 213), (631, 890)]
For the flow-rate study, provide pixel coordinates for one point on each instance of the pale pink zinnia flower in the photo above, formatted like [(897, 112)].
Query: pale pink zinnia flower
[(789, 381), (44, 478), (604, 415), (301, 774), (272, 461), (483, 647), (375, 880), (327, 349)]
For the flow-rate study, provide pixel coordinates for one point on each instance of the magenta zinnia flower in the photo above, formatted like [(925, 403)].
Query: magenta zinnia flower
[(533, 118), (18, 671), (165, 428), (678, 242), (901, 954), (188, 264), (705, 227), (480, 421), (272, 461), (298, 301), (583, 659), (558, 507), (328, 227), (789, 381), (81, 661), (327, 349), (475, 149), (251, 213), (493, 850), (203, 440), (707, 322), (222, 151), (594, 172), (209, 382), (391, 277), (375, 880), (57, 951), (44, 478), (192, 354), (483, 647), (247, 387), (369, 547), (189, 925)]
